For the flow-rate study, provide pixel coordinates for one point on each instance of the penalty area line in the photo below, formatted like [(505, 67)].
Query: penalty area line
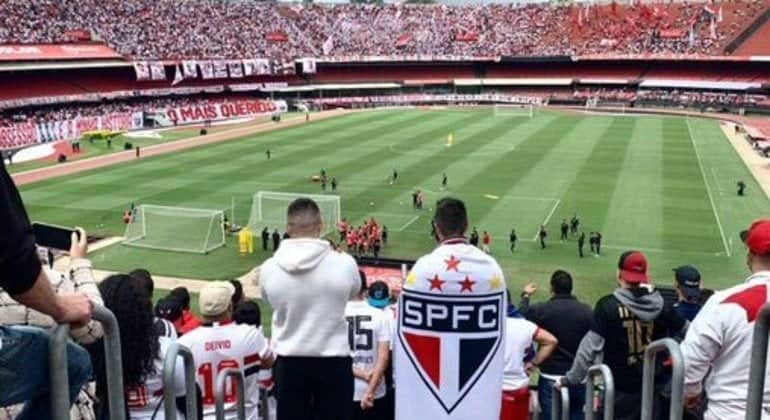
[(408, 223), (548, 218)]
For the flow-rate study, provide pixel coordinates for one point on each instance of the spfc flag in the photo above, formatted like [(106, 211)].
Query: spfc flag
[(448, 353)]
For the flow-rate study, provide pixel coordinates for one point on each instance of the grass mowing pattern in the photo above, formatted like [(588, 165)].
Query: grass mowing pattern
[(635, 179)]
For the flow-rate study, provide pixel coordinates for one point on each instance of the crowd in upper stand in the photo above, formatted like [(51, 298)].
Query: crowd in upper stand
[(199, 29)]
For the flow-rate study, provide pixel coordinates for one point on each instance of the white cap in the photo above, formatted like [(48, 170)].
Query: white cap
[(215, 298)]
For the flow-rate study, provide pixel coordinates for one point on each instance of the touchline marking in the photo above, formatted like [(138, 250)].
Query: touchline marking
[(406, 225), (708, 187), (547, 218)]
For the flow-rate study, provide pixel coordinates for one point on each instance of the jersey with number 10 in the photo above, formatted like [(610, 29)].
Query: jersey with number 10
[(221, 346)]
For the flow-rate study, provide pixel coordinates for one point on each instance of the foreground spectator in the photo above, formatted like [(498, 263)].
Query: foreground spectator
[(520, 335), (143, 349), (369, 339), (568, 320), (688, 289), (189, 321), (24, 369), (308, 284), (717, 348), (632, 310), (163, 325), (219, 344), (451, 317)]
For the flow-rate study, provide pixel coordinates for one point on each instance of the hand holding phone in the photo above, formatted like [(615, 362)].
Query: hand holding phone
[(57, 237)]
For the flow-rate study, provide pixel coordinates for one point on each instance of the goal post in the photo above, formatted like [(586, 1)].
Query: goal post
[(268, 210), (514, 110), (176, 229)]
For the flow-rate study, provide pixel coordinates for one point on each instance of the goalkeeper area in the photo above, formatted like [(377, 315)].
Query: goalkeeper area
[(176, 229), (268, 208), (514, 110), (664, 185)]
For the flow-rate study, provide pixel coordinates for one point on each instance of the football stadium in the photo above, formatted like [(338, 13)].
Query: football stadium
[(527, 201)]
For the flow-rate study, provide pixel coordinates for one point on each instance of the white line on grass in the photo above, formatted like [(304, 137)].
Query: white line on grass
[(408, 223), (708, 187), (547, 218)]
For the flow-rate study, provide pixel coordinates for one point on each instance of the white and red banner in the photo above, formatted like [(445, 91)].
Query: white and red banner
[(56, 52), (157, 71), (24, 134), (220, 69), (190, 69), (235, 68), (207, 69), (223, 111), (142, 70)]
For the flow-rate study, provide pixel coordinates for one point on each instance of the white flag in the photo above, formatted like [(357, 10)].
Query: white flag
[(249, 67), (207, 69), (157, 71), (142, 70), (178, 77), (451, 325), (235, 67), (328, 45), (190, 68)]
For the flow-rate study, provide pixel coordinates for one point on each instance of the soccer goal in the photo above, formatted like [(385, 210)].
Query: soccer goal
[(268, 209), (514, 110), (176, 229)]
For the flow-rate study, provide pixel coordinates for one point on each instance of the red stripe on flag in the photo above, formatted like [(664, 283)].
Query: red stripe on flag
[(428, 353)]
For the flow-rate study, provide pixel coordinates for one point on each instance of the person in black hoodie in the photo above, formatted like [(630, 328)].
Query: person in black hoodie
[(632, 310), (568, 320)]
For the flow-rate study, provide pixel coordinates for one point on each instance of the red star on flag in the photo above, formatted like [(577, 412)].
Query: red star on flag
[(452, 263), (466, 284), (436, 283)]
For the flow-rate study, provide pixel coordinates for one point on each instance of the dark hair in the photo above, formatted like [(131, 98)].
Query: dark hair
[(184, 296), (302, 205), (451, 217), (248, 313), (238, 294), (363, 281), (139, 344), (169, 308), (144, 279), (561, 282)]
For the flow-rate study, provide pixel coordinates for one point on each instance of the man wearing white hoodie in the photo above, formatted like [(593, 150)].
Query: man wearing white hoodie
[(308, 284)]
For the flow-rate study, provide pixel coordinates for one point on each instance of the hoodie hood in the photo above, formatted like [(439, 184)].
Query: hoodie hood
[(298, 255), (644, 304)]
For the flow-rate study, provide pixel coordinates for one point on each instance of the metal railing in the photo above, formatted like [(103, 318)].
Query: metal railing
[(560, 403), (169, 378), (239, 391), (677, 378), (758, 365), (609, 392), (57, 359)]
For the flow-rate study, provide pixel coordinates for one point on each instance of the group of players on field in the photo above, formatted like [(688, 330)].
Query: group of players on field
[(369, 237)]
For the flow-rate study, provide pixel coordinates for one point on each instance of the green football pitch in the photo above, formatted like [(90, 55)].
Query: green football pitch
[(662, 185)]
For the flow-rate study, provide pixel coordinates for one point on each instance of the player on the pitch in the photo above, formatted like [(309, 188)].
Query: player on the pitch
[(513, 239), (267, 153), (444, 181), (450, 139), (394, 176)]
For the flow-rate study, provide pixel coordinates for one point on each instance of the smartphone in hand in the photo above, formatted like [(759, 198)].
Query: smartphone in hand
[(52, 236)]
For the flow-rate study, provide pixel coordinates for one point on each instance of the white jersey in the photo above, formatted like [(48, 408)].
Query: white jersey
[(144, 401), (227, 345), (717, 348), (448, 352), (519, 336), (367, 328)]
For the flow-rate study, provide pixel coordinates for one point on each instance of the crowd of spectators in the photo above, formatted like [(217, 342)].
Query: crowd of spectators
[(199, 29)]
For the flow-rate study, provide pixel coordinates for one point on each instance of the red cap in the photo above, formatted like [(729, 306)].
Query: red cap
[(633, 267), (757, 238)]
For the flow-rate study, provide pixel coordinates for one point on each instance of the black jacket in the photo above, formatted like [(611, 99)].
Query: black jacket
[(568, 320)]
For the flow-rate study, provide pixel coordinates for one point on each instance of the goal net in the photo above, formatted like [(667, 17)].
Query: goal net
[(268, 209), (176, 229), (514, 110)]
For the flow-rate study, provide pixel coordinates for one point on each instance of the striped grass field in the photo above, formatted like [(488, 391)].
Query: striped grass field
[(663, 185)]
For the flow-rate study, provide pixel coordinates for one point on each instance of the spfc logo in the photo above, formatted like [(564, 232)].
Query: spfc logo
[(450, 340)]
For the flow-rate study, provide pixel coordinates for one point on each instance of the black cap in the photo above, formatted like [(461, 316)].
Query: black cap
[(169, 308), (688, 279)]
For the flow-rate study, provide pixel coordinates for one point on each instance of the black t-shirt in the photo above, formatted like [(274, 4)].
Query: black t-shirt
[(19, 263), (626, 337)]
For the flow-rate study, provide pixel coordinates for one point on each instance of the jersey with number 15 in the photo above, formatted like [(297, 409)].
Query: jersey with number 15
[(220, 346)]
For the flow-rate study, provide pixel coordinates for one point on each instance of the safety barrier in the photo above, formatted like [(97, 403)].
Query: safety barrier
[(758, 365), (60, 399), (169, 374), (609, 392), (677, 378), (239, 391), (560, 403)]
